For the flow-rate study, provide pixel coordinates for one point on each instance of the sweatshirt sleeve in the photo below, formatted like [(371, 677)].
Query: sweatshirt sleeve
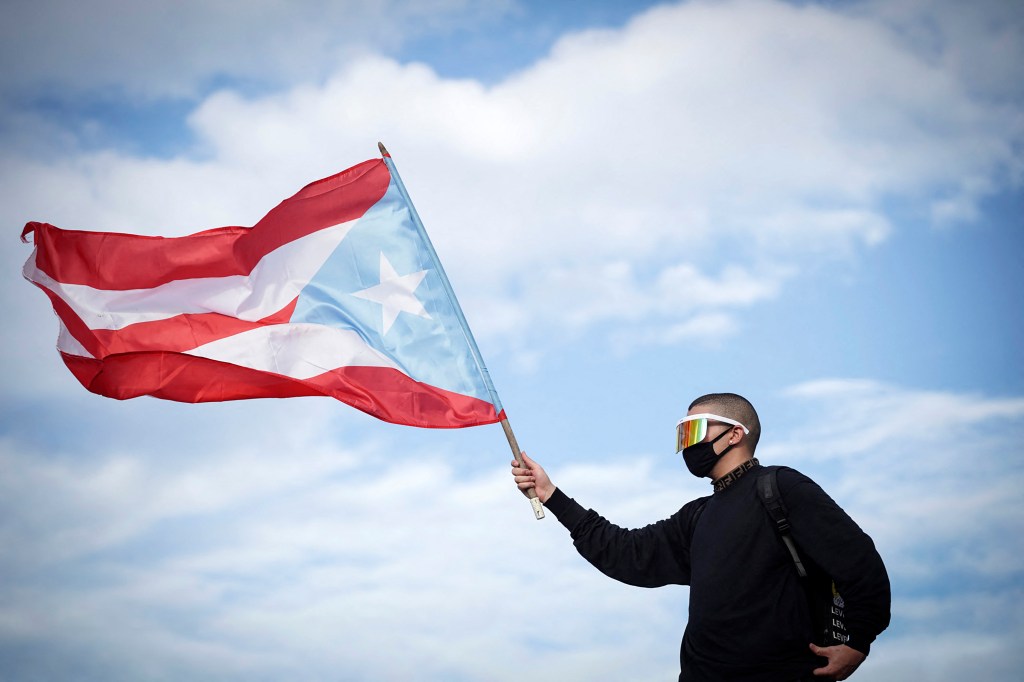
[(653, 556), (835, 543)]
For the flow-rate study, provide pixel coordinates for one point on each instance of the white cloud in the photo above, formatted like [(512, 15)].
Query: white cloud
[(304, 567), (610, 180), (658, 180), (176, 49), (977, 41), (702, 327), (947, 657), (930, 476), (83, 510), (303, 559)]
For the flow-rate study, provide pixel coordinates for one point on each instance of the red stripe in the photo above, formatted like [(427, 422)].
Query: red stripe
[(74, 324), (113, 261), (389, 394), (176, 334), (181, 332), (382, 392)]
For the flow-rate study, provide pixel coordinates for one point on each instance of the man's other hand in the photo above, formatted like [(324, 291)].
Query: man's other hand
[(842, 661)]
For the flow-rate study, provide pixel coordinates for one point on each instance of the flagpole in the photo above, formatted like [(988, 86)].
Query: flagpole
[(538, 509)]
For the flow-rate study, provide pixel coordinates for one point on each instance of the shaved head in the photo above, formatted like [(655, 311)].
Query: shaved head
[(734, 407)]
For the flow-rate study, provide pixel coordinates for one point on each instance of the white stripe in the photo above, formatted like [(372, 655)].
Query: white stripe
[(68, 344), (248, 297), (301, 350)]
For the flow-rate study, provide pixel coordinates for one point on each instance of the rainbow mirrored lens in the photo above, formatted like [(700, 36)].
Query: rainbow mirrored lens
[(691, 429), (691, 432)]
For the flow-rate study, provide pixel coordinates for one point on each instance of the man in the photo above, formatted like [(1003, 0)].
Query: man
[(749, 615)]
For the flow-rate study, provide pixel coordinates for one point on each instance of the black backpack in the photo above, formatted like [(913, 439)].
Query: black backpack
[(827, 606)]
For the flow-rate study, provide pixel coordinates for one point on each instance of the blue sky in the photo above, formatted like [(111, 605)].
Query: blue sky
[(817, 205)]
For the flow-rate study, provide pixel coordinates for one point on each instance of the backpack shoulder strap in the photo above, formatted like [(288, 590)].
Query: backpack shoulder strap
[(768, 491)]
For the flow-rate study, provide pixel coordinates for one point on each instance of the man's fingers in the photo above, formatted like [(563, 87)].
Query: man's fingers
[(828, 670), (523, 477), (526, 473), (526, 465), (842, 661)]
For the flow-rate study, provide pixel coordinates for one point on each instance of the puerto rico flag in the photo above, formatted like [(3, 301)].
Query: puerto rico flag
[(336, 292)]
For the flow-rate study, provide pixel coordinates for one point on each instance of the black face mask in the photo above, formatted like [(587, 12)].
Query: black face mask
[(701, 458)]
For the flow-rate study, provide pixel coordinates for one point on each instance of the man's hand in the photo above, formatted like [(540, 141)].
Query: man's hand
[(532, 475), (842, 661)]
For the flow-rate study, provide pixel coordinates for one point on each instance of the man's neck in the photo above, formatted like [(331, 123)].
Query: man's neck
[(729, 461)]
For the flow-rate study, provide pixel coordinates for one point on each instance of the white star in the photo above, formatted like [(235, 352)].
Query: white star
[(395, 293)]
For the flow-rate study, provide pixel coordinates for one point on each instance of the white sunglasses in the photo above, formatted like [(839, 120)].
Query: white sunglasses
[(691, 429)]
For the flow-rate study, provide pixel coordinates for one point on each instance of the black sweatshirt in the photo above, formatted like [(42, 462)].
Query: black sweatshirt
[(749, 617)]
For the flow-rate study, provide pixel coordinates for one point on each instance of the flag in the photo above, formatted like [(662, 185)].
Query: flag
[(336, 292)]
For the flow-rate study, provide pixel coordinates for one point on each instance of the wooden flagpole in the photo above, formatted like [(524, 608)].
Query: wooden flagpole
[(538, 509)]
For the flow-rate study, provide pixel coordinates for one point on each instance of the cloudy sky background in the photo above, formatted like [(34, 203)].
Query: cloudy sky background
[(815, 204)]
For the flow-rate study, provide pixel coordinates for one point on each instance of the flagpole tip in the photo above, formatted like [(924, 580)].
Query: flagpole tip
[(383, 150)]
